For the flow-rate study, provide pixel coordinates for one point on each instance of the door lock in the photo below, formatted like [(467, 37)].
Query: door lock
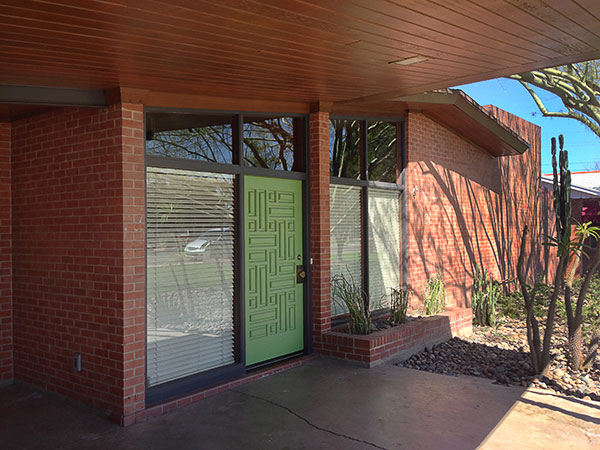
[(300, 274)]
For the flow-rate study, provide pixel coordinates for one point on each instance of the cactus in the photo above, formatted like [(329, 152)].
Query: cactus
[(484, 296), (562, 195)]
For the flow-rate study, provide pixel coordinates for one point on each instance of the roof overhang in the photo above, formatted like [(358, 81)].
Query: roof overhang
[(293, 51), (459, 112)]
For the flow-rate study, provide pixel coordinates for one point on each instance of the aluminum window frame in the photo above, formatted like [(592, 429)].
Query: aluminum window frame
[(365, 183), (171, 389)]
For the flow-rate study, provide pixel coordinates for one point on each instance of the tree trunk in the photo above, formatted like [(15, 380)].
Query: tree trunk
[(575, 345), (593, 349)]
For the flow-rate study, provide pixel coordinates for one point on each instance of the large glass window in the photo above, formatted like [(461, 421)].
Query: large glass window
[(207, 138), (384, 245), (190, 244), (345, 226), (381, 151), (365, 208), (273, 142), (344, 148)]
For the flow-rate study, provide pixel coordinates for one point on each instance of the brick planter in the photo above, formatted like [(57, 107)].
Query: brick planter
[(398, 342)]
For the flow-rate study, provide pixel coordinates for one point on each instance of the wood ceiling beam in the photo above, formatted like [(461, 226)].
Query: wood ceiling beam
[(156, 99)]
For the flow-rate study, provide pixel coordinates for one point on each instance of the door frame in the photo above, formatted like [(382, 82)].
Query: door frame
[(171, 389), (304, 287)]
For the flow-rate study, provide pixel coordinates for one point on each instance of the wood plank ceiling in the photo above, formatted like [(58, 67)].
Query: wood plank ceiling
[(309, 50)]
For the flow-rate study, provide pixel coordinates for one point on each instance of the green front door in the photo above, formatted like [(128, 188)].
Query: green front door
[(274, 297)]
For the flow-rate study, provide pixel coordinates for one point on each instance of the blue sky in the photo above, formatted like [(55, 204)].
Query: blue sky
[(582, 144)]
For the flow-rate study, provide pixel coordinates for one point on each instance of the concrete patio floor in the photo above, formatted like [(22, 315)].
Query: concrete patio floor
[(322, 404)]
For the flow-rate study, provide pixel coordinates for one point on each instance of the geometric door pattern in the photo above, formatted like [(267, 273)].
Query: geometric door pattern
[(274, 300)]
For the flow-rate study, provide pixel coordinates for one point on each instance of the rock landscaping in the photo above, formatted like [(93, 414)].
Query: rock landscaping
[(502, 354)]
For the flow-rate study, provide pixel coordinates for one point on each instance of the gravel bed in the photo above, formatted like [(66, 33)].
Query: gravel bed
[(502, 354)]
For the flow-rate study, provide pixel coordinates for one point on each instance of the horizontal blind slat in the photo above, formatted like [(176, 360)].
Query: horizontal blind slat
[(190, 243), (384, 245), (345, 231)]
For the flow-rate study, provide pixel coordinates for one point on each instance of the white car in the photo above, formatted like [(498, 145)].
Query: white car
[(200, 246)]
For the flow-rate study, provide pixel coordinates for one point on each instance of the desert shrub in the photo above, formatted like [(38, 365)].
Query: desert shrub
[(347, 293), (435, 293), (399, 305), (484, 296), (512, 305)]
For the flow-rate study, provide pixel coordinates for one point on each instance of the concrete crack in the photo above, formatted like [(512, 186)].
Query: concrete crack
[(308, 422)]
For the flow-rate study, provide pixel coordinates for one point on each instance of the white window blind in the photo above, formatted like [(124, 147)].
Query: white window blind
[(384, 245), (345, 230), (190, 238)]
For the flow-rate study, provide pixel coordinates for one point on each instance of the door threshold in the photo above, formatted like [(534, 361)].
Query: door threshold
[(273, 361)]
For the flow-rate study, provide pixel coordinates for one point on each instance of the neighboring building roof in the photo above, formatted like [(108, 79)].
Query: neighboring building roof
[(583, 184), (588, 180), (458, 111)]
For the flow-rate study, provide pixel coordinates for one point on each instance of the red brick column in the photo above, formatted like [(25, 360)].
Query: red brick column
[(319, 226), (6, 326), (134, 261)]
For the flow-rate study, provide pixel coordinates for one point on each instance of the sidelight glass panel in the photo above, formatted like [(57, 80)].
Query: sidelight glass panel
[(273, 142), (345, 228), (381, 151), (190, 244), (344, 148), (198, 137), (384, 245)]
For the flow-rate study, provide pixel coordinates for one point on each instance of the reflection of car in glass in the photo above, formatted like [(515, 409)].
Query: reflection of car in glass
[(202, 244)]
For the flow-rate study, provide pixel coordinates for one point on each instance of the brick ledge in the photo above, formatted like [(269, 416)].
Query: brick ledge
[(399, 342)]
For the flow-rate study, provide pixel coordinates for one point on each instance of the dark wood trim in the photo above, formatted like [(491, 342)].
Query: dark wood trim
[(51, 96), (348, 181), (239, 301), (384, 185), (204, 379), (364, 206), (172, 100), (321, 107), (307, 241)]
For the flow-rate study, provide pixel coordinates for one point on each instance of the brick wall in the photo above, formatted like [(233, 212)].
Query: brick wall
[(319, 225), (78, 246), (467, 207), (6, 339)]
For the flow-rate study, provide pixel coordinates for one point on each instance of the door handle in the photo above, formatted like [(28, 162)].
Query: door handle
[(300, 274)]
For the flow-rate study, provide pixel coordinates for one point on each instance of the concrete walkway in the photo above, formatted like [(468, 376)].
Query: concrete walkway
[(322, 404)]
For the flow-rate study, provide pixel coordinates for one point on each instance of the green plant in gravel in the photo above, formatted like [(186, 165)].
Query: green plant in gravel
[(484, 296), (435, 294), (399, 305), (347, 293), (511, 305)]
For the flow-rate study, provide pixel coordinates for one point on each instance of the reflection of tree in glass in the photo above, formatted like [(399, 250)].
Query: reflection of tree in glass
[(381, 137), (270, 143), (344, 148), (211, 144), (182, 206), (344, 142)]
